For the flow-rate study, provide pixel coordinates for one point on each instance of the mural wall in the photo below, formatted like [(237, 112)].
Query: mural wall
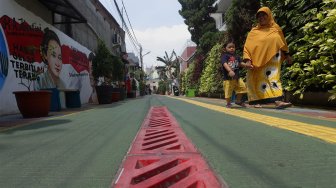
[(34, 55)]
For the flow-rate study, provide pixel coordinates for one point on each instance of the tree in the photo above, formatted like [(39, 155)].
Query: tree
[(200, 25), (239, 19), (170, 63)]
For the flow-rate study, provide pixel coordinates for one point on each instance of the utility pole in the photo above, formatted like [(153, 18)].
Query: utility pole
[(141, 59)]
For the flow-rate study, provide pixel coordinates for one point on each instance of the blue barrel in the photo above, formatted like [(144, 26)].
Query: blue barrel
[(55, 104)]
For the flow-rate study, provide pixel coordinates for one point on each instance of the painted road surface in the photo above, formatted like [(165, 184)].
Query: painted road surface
[(245, 147)]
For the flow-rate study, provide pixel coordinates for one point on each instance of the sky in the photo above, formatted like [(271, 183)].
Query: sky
[(157, 26)]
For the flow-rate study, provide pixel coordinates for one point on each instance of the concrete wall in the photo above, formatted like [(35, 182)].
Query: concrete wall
[(98, 19)]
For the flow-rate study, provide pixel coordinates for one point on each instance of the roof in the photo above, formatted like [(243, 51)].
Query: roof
[(188, 53)]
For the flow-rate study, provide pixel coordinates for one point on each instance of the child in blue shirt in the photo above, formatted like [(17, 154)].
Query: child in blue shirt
[(231, 64)]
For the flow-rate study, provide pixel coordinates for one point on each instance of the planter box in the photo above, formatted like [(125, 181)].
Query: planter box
[(131, 95), (33, 104), (115, 96), (311, 98), (104, 94)]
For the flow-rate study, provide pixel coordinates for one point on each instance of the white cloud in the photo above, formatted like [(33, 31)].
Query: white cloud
[(158, 40)]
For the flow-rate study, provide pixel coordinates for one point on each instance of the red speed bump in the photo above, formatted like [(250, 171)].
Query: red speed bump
[(162, 156), (159, 117), (161, 141), (180, 171)]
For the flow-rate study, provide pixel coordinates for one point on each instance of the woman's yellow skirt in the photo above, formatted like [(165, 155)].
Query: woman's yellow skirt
[(263, 83)]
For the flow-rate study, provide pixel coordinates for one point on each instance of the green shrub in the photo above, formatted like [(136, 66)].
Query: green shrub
[(315, 68)]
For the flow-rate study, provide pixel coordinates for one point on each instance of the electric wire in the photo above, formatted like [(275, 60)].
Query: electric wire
[(129, 21), (134, 42)]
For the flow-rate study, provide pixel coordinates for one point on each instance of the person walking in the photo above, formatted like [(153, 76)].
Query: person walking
[(231, 64), (265, 49)]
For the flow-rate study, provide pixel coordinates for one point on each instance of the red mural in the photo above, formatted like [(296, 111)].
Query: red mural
[(23, 40), (24, 43), (77, 59)]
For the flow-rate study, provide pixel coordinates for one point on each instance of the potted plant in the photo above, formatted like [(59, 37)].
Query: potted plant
[(33, 103), (102, 69), (117, 78)]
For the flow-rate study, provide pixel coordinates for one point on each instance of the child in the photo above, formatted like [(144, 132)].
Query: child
[(232, 82)]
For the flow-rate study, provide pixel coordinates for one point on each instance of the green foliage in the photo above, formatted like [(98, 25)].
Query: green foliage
[(197, 72), (162, 72), (297, 14), (171, 62), (162, 88), (102, 64), (315, 68), (187, 79), (208, 40), (118, 69), (211, 79), (181, 81), (142, 87), (200, 25), (239, 19)]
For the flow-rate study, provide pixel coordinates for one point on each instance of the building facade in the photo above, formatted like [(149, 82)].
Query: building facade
[(52, 42), (218, 16)]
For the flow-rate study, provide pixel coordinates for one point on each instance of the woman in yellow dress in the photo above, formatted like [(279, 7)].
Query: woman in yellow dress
[(265, 49)]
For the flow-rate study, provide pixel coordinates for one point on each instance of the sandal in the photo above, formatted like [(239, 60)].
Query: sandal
[(257, 106), (242, 104), (229, 105), (283, 105)]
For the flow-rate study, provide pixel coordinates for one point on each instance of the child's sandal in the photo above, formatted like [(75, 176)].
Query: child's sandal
[(242, 104)]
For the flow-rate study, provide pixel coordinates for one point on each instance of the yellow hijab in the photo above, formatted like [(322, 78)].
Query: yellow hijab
[(263, 42)]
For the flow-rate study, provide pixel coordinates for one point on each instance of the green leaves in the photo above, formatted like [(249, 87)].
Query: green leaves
[(102, 67), (211, 78), (315, 53)]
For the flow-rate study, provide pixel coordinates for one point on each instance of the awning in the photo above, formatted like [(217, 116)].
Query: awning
[(64, 8)]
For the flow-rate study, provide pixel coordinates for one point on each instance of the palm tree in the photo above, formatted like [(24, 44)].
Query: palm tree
[(170, 63)]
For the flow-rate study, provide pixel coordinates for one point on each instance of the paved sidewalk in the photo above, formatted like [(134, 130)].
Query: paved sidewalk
[(84, 147), (15, 120), (328, 113)]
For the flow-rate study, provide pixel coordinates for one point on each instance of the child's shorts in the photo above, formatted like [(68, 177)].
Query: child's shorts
[(233, 85)]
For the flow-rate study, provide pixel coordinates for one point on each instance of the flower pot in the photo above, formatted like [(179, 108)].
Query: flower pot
[(131, 94), (115, 96), (33, 104), (104, 94)]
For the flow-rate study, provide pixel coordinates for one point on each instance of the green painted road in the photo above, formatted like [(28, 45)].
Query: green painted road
[(246, 147)]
